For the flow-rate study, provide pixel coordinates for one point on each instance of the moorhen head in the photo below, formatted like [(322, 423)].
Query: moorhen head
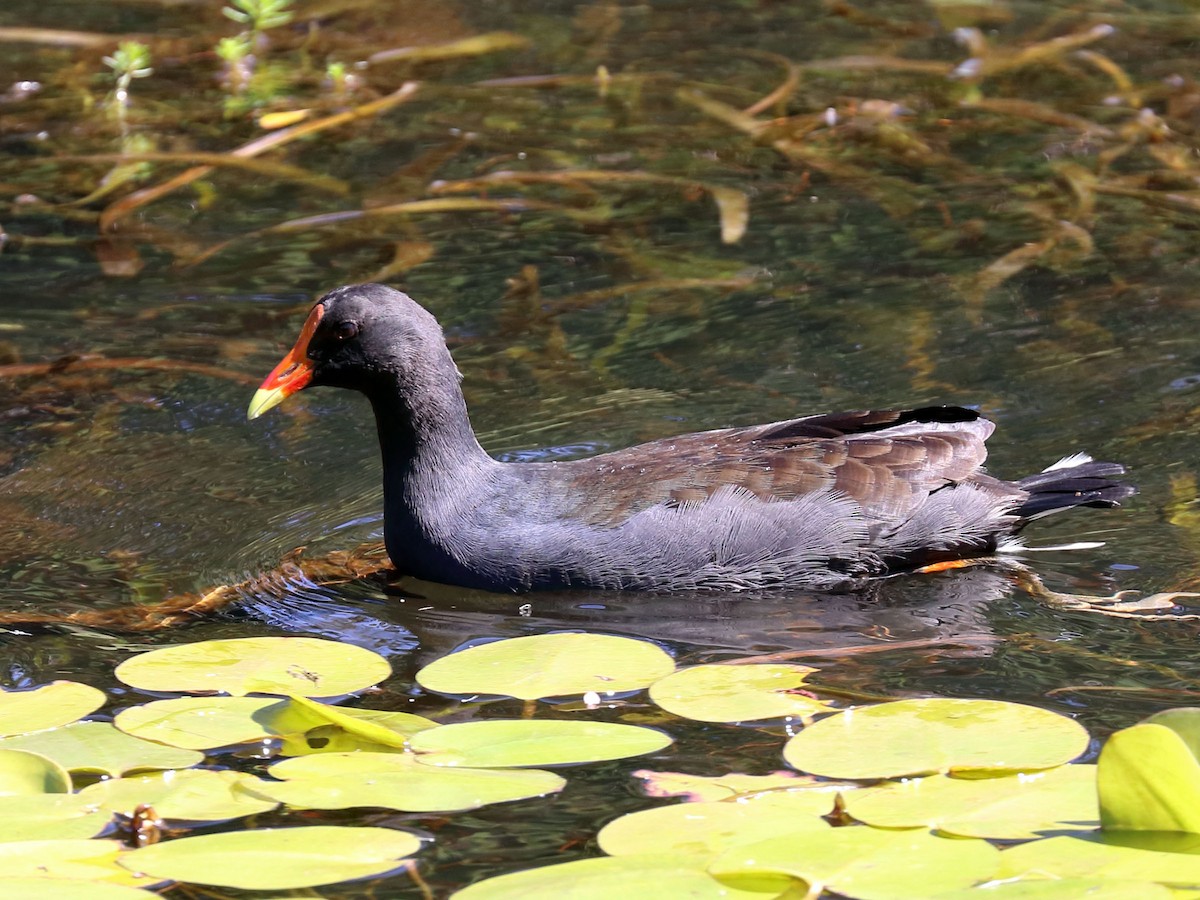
[(824, 501)]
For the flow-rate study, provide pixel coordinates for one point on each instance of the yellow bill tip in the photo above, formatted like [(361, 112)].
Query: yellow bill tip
[(293, 373), (263, 400)]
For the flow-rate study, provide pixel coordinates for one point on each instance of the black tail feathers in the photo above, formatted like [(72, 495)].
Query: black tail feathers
[(1075, 481)]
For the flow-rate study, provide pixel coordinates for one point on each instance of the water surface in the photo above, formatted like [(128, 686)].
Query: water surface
[(886, 202)]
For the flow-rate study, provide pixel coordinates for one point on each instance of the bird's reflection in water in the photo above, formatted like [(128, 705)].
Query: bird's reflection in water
[(432, 620)]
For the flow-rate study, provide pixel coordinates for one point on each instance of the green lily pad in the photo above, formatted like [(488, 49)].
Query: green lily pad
[(495, 743), (93, 860), (358, 728), (49, 817), (1014, 807), (1099, 857), (866, 863), (1149, 780), (49, 706), (549, 665), (920, 737), (718, 693), (330, 739), (68, 889), (302, 726), (101, 747), (1063, 889), (273, 859), (398, 781), (703, 830), (202, 723), (24, 773), (697, 788), (308, 667), (192, 795), (648, 877), (1184, 721)]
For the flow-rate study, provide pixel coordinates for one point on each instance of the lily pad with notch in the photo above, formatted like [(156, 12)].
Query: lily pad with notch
[(310, 667), (549, 665), (724, 693), (493, 743), (274, 859), (921, 737), (398, 781)]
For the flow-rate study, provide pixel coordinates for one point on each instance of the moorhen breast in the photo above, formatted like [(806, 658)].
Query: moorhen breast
[(823, 501)]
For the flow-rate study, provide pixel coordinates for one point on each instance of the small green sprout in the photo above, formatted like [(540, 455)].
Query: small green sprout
[(239, 63), (259, 15), (233, 50), (131, 60), (339, 79), (336, 73)]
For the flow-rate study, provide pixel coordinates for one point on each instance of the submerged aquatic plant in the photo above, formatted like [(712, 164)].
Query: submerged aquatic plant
[(340, 81), (337, 74), (239, 62), (130, 60), (258, 15), (242, 74), (235, 53)]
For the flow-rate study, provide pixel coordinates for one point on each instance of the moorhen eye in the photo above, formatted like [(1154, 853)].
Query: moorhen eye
[(827, 501)]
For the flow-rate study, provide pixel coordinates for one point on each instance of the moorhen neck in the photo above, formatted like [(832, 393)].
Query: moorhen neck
[(823, 501)]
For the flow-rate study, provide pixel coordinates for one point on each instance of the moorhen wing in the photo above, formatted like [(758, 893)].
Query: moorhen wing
[(823, 501)]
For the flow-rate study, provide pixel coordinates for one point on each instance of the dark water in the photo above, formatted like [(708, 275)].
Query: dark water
[(617, 315)]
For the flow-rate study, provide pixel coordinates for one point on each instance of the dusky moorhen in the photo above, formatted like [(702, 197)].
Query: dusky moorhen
[(822, 501)]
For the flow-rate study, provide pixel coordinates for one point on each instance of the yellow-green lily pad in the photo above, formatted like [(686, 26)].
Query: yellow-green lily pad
[(48, 706), (703, 830), (1184, 721), (1013, 807), (49, 817), (1177, 864), (192, 795), (492, 743), (300, 725), (1149, 780), (26, 773), (275, 859), (101, 747), (94, 860), (398, 781), (549, 665), (646, 877), (866, 863), (723, 693), (308, 667), (359, 728), (203, 723), (921, 737)]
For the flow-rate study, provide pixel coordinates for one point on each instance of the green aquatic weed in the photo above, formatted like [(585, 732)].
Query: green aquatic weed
[(130, 60)]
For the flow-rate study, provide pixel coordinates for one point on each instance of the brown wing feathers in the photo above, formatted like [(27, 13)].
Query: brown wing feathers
[(888, 472)]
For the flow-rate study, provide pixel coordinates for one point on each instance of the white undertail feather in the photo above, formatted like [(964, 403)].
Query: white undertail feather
[(1069, 462), (1015, 545)]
